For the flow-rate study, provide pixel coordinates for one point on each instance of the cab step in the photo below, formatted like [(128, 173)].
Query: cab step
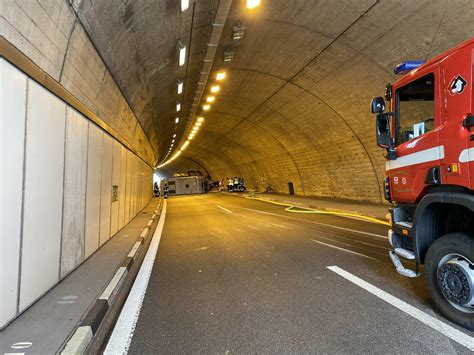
[(406, 254), (399, 266), (403, 224)]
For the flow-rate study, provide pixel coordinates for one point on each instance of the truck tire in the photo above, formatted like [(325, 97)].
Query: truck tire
[(449, 272)]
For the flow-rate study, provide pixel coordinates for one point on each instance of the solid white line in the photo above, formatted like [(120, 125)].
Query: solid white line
[(122, 334), (224, 209), (318, 223), (110, 290), (134, 250), (436, 324), (346, 250), (79, 341), (144, 233)]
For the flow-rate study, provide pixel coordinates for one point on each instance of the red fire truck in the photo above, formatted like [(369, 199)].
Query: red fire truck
[(429, 140)]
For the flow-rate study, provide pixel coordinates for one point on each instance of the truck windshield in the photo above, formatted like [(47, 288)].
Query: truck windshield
[(415, 105)]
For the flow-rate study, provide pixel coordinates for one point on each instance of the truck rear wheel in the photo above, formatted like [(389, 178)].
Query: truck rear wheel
[(449, 272)]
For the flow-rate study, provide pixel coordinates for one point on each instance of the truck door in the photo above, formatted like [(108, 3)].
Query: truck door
[(417, 122), (457, 167)]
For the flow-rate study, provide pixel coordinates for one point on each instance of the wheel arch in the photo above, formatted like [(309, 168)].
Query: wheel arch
[(428, 214)]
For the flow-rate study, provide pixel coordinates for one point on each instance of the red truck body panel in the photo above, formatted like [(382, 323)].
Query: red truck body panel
[(450, 145)]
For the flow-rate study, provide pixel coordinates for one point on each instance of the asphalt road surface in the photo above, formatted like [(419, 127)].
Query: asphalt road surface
[(235, 276)]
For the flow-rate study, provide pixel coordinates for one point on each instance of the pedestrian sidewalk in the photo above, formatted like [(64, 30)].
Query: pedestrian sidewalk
[(378, 211), (46, 325)]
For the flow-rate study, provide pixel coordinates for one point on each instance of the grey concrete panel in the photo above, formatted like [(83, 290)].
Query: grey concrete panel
[(75, 178), (106, 189), (12, 139), (43, 193), (94, 174)]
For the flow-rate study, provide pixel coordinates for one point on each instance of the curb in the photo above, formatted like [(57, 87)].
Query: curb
[(91, 321)]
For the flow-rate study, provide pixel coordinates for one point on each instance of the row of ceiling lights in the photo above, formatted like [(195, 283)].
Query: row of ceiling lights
[(179, 83), (238, 34), (214, 89)]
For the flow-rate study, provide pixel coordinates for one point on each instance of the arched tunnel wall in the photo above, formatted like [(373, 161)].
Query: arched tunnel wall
[(295, 104)]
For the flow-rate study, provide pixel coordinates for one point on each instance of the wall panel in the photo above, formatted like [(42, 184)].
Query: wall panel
[(106, 189), (129, 187), (12, 135), (122, 186), (75, 177), (94, 174), (114, 214), (43, 193)]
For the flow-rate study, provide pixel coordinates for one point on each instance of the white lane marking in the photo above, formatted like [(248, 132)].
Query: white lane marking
[(150, 222), (466, 155), (112, 287), (224, 209), (347, 244), (423, 156), (22, 345), (279, 225), (79, 341), (144, 233), (122, 334), (346, 250), (134, 250), (252, 227), (445, 329), (318, 223)]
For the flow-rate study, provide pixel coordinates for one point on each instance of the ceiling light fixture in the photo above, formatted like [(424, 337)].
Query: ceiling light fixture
[(215, 88), (180, 87), (238, 31), (252, 4), (200, 119), (220, 75), (228, 54), (211, 99), (206, 107), (176, 120), (178, 107), (184, 5), (174, 135), (198, 124), (182, 53)]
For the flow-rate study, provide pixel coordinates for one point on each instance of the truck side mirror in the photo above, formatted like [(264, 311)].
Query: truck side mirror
[(377, 105), (382, 126)]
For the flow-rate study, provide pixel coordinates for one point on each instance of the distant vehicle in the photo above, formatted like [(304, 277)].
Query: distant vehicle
[(429, 139)]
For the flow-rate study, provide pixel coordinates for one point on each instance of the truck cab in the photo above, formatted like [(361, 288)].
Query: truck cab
[(428, 135)]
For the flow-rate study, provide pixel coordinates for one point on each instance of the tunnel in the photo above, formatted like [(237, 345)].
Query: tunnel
[(236, 176)]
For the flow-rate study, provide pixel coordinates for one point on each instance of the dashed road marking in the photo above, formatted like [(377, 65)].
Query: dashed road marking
[(445, 329), (317, 223), (346, 250), (224, 209), (22, 345)]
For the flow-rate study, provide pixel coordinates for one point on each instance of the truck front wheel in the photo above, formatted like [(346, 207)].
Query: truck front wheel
[(449, 272)]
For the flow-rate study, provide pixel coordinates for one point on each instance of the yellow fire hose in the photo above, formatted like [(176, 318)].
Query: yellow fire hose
[(295, 209)]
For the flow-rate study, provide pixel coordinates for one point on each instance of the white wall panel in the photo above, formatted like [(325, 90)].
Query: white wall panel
[(43, 193), (94, 173), (114, 225), (12, 135), (122, 186), (75, 177), (129, 187), (106, 190)]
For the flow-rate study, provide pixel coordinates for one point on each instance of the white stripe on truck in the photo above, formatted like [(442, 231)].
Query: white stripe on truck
[(466, 155), (423, 156)]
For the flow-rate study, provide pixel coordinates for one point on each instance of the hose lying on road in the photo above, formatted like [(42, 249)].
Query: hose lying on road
[(304, 210)]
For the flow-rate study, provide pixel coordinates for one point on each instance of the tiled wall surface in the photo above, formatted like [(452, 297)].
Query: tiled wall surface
[(58, 173)]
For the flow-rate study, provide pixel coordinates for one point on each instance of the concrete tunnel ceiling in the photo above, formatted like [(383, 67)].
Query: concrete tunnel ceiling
[(295, 103)]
